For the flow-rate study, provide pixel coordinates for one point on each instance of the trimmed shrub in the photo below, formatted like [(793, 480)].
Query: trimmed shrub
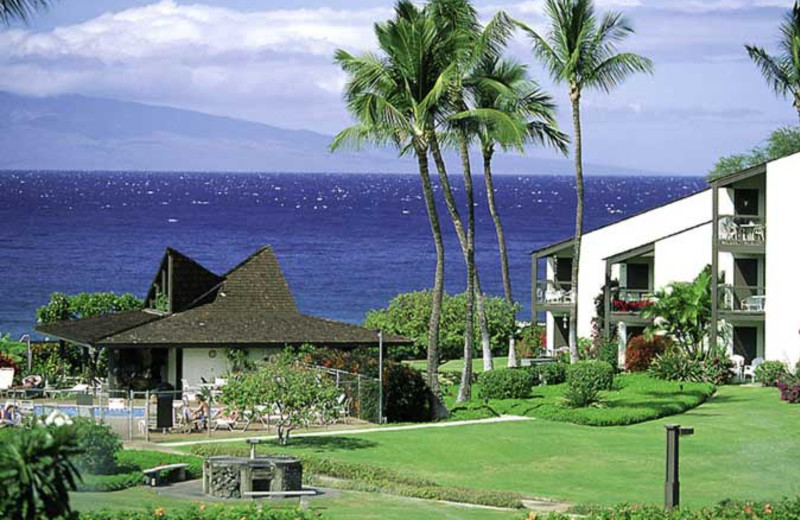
[(585, 379), (552, 373), (609, 352), (768, 372), (640, 352), (507, 383), (407, 396), (99, 447), (785, 509), (203, 512)]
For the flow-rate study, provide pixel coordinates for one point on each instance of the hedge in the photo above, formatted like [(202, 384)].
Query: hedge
[(130, 464), (203, 512), (786, 509), (507, 383), (363, 477)]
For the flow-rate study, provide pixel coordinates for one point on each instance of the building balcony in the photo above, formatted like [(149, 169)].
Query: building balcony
[(631, 301), (742, 231), (742, 300), (552, 295)]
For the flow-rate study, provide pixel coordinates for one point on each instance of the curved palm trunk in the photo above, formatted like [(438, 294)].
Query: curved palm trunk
[(797, 102), (465, 389), (575, 98), (488, 152), (438, 284), (450, 202)]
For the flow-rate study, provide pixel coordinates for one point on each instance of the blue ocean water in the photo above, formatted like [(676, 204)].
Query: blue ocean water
[(346, 242)]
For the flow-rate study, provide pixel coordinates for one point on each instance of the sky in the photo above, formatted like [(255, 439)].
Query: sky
[(270, 61)]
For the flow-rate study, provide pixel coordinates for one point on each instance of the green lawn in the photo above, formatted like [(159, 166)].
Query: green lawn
[(635, 398), (351, 506), (746, 446), (455, 365)]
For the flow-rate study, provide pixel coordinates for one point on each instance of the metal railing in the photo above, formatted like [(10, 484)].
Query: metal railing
[(741, 298), (549, 292), (742, 230)]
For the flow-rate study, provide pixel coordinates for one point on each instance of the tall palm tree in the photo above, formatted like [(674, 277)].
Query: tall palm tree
[(580, 50), (782, 72), (394, 97), (504, 85), (11, 10)]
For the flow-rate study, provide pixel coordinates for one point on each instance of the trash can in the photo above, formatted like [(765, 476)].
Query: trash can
[(164, 410)]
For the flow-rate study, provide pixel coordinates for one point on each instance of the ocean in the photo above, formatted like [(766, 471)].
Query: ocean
[(347, 243)]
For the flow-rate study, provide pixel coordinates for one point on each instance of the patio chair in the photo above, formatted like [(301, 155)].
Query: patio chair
[(738, 366), (6, 378), (750, 370), (343, 402)]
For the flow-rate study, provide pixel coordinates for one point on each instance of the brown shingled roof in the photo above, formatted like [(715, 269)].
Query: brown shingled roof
[(251, 305)]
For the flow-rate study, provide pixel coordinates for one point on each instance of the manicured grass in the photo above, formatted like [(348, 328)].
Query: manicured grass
[(745, 446), (455, 365), (635, 398), (350, 506)]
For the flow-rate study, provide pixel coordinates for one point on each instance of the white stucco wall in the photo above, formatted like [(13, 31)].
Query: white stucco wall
[(631, 233), (782, 312), (680, 258), (197, 364)]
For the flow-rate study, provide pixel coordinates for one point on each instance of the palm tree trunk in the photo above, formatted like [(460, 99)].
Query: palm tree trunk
[(465, 389), (450, 202), (488, 151), (797, 102), (575, 98), (438, 283)]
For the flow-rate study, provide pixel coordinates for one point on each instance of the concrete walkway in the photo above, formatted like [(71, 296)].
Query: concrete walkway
[(377, 429)]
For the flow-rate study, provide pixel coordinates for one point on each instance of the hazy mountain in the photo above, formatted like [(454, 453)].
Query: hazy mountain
[(83, 133)]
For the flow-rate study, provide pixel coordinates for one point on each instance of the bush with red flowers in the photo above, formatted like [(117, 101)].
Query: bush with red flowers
[(641, 352)]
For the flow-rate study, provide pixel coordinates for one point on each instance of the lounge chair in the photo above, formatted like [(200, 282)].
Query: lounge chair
[(6, 378), (750, 370)]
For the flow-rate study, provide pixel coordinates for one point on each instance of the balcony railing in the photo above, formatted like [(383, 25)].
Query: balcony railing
[(631, 300), (742, 298), (741, 230), (553, 293)]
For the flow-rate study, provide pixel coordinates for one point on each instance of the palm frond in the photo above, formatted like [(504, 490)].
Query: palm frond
[(775, 73), (614, 70), (20, 9)]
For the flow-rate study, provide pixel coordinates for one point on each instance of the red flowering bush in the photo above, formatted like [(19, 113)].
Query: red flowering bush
[(634, 307), (790, 388), (641, 352)]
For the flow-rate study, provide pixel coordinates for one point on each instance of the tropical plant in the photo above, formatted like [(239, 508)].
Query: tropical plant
[(299, 394), (780, 143), (769, 372), (11, 10), (395, 96), (37, 471), (782, 72), (98, 446), (580, 50), (682, 312)]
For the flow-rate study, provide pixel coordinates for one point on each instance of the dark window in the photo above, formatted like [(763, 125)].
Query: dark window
[(564, 270), (638, 276), (745, 202), (745, 343), (632, 332)]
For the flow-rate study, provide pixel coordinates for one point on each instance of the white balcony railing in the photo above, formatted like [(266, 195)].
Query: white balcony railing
[(742, 230), (549, 292), (742, 298)]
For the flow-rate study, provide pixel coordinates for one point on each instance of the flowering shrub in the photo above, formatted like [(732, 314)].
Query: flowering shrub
[(641, 352), (790, 388), (204, 512), (623, 306)]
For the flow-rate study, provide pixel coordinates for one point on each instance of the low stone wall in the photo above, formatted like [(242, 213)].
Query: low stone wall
[(232, 477)]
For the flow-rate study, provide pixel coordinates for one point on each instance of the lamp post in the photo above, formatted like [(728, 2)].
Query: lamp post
[(672, 487), (380, 377), (27, 338)]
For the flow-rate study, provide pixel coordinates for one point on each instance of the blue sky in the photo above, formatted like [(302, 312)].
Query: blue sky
[(270, 61)]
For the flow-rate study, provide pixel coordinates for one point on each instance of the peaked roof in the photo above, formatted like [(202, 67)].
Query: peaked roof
[(250, 305)]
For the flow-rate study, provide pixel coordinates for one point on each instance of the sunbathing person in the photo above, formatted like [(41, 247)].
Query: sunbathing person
[(201, 413)]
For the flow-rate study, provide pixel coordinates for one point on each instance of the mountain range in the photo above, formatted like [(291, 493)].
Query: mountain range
[(72, 132)]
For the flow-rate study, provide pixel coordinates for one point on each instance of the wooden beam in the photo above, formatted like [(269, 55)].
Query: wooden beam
[(712, 339), (607, 303), (534, 283)]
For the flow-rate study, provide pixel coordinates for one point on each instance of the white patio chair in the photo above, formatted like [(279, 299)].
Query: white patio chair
[(750, 370), (738, 366), (6, 378)]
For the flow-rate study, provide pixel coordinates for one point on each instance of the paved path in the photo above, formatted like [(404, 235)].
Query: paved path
[(377, 429)]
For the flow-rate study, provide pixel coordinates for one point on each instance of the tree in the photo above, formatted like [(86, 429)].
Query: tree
[(37, 471), (780, 143), (298, 394), (580, 50), (682, 311), (782, 72), (519, 98), (395, 97), (11, 10)]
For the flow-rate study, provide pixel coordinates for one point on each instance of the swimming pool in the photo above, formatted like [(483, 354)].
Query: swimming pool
[(97, 411)]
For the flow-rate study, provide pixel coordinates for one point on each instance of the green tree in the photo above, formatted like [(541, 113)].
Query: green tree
[(395, 96), (11, 10), (297, 394), (580, 50), (780, 143), (504, 86), (682, 311), (37, 472), (782, 72)]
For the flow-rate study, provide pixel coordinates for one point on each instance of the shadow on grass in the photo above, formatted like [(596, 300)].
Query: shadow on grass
[(327, 444)]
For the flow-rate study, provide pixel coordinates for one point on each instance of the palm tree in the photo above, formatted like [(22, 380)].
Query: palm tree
[(782, 72), (394, 97), (20, 9), (504, 85), (581, 51)]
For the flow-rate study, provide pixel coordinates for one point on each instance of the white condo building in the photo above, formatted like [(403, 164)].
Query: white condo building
[(745, 225)]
